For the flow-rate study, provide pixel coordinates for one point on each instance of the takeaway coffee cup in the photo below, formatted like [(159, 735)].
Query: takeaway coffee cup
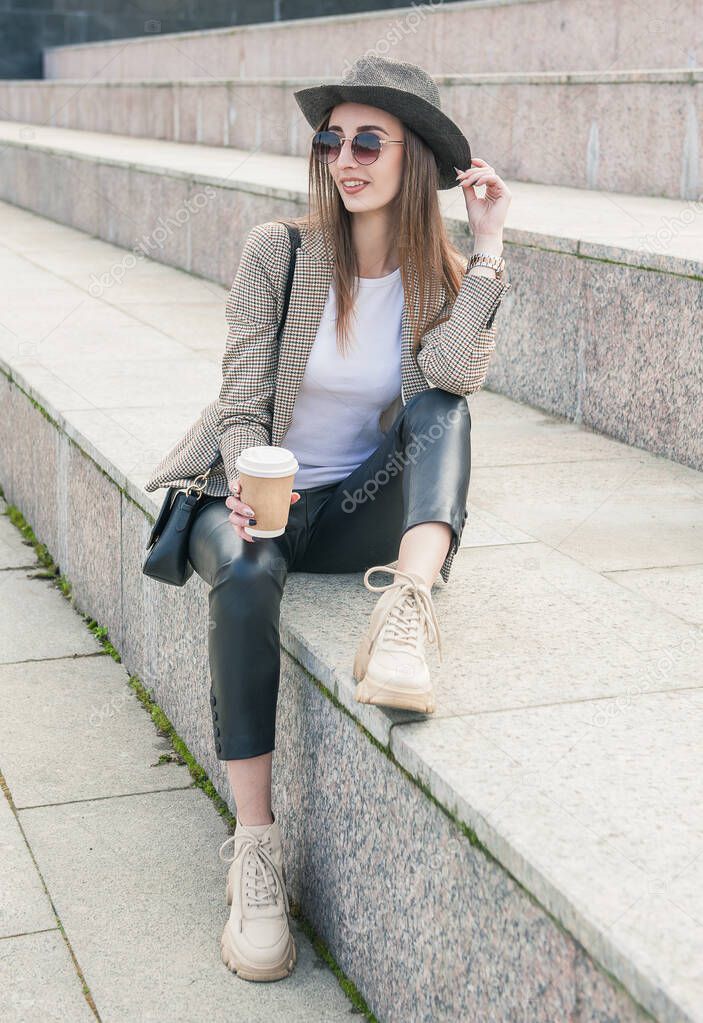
[(266, 473)]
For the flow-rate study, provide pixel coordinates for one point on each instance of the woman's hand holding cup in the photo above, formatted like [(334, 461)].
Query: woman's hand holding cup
[(242, 513)]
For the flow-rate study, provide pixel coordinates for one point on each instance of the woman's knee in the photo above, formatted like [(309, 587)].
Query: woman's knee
[(436, 411), (255, 572)]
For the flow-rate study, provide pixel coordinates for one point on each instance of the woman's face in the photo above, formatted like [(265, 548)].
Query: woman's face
[(382, 177)]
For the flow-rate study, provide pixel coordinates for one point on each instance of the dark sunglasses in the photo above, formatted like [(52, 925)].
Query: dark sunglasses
[(366, 147)]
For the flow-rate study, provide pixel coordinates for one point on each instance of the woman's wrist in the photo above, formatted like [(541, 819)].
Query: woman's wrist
[(492, 244)]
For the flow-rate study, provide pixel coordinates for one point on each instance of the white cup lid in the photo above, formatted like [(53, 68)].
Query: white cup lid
[(267, 460)]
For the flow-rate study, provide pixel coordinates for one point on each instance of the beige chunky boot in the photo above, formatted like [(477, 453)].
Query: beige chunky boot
[(390, 666), (257, 943)]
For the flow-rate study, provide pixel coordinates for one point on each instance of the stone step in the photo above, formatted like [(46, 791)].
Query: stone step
[(602, 325), (481, 35), (538, 839), (551, 128)]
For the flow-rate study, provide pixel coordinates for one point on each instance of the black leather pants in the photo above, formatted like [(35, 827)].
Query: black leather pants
[(419, 473)]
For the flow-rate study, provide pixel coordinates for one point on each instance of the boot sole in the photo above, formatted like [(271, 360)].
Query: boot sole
[(247, 971), (382, 695)]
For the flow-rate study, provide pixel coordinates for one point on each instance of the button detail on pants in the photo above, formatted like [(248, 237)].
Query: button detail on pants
[(218, 747), (213, 699)]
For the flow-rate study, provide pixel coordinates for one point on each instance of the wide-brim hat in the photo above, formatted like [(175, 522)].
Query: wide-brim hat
[(404, 90)]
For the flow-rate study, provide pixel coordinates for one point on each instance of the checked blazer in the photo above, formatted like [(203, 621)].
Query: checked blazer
[(260, 383)]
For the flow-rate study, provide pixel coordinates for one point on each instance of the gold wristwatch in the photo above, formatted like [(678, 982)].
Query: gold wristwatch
[(483, 259)]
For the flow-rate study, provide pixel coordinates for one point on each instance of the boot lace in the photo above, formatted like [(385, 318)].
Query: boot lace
[(263, 885), (414, 610)]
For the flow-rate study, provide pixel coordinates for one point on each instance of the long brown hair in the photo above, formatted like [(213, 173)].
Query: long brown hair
[(431, 266)]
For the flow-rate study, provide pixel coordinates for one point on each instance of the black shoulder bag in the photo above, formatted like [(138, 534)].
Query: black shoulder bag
[(167, 546)]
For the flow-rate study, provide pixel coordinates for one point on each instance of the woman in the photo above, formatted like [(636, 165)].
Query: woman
[(388, 330)]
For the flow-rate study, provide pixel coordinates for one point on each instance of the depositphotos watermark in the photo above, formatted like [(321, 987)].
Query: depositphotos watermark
[(154, 240), (397, 462)]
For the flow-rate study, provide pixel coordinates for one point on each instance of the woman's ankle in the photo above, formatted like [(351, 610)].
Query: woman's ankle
[(257, 820)]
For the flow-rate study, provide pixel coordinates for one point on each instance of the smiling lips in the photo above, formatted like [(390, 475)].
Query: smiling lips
[(354, 188)]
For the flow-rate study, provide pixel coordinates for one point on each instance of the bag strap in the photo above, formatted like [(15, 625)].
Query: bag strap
[(294, 235)]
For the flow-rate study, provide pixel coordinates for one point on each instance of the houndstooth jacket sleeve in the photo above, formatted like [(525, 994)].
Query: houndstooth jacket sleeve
[(245, 403), (455, 355)]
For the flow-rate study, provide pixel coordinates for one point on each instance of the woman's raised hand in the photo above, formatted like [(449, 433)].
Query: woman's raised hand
[(241, 513), (487, 214)]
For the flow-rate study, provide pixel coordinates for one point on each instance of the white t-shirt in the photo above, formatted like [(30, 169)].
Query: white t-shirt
[(335, 425)]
